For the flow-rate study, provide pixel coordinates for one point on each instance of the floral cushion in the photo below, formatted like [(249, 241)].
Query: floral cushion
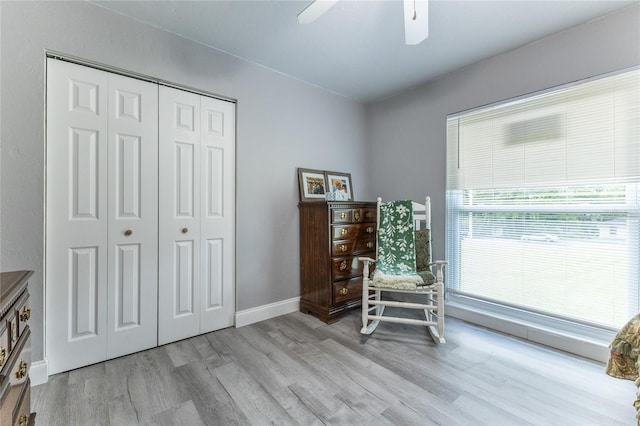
[(624, 359), (625, 349), (423, 256)]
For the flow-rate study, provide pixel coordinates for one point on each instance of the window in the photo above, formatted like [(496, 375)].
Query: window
[(543, 202)]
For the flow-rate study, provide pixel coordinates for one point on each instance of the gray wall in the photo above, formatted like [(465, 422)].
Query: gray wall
[(406, 133), (282, 124)]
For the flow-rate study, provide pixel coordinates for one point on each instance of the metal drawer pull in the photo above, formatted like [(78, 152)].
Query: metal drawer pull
[(344, 291), (343, 247), (25, 315), (343, 231), (369, 244), (184, 230), (3, 356), (369, 229), (22, 370), (369, 215), (22, 420), (343, 265), (128, 233), (357, 215), (14, 332), (343, 215)]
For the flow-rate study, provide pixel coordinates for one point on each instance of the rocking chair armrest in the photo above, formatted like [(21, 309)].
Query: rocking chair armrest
[(365, 269), (439, 264)]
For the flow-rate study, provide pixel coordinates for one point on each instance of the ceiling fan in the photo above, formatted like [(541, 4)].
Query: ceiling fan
[(416, 17)]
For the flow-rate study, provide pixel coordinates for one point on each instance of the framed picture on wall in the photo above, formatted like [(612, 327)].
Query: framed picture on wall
[(339, 186), (313, 185)]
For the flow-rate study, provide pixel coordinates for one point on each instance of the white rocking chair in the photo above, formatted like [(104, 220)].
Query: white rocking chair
[(431, 286)]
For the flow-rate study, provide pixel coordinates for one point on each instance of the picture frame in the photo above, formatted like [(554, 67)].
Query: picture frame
[(338, 185), (313, 184)]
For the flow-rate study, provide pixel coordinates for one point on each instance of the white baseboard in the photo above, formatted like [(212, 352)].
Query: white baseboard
[(566, 342), (265, 312), (39, 372)]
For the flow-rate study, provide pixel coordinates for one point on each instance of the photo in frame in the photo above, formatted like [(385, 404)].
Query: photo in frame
[(313, 184), (339, 186)]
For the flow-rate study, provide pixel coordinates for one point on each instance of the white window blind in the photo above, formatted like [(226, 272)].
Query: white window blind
[(543, 201)]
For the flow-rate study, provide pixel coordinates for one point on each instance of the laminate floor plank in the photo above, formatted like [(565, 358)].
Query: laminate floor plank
[(297, 370), (250, 397), (214, 404)]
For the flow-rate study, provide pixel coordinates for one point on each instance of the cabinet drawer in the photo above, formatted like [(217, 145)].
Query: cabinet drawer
[(347, 290), (5, 326), (23, 410), (345, 267), (20, 360), (354, 215), (347, 232), (14, 378), (22, 313), (346, 248)]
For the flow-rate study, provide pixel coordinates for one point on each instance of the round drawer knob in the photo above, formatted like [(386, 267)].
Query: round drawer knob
[(370, 244), (128, 233), (184, 230), (343, 265), (344, 232), (343, 247), (344, 291), (343, 215)]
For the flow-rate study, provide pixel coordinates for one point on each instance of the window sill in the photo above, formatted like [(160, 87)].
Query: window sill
[(590, 343)]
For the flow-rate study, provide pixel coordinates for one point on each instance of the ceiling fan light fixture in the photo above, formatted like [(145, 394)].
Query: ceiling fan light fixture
[(315, 10), (416, 21)]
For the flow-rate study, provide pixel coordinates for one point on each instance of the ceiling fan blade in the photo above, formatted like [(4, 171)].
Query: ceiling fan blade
[(416, 21), (315, 10)]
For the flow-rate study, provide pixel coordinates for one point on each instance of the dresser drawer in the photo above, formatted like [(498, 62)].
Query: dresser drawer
[(347, 232), (353, 215), (346, 267), (347, 290), (5, 326), (22, 313), (19, 363), (14, 376), (21, 416)]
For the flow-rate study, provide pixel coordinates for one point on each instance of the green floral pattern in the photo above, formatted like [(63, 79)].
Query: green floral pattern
[(396, 241)]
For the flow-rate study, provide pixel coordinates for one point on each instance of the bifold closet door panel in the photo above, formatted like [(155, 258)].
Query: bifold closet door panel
[(179, 215), (77, 218), (217, 161), (101, 224), (132, 314)]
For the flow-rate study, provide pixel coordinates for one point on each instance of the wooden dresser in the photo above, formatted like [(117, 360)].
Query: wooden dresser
[(15, 350), (333, 234)]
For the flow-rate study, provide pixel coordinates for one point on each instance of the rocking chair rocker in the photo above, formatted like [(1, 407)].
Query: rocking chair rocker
[(403, 265)]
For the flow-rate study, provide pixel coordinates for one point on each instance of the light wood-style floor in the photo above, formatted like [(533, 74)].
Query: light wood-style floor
[(295, 369)]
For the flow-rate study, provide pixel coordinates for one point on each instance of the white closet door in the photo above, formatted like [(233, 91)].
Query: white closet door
[(76, 205), (102, 153), (217, 161), (133, 216), (179, 215)]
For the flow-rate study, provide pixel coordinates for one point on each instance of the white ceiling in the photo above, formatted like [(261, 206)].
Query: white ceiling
[(357, 48)]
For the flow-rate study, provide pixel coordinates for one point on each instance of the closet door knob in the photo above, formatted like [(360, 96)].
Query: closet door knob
[(184, 230), (128, 232)]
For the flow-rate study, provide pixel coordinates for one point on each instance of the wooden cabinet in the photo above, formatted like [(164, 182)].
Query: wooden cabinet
[(15, 350), (333, 235)]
